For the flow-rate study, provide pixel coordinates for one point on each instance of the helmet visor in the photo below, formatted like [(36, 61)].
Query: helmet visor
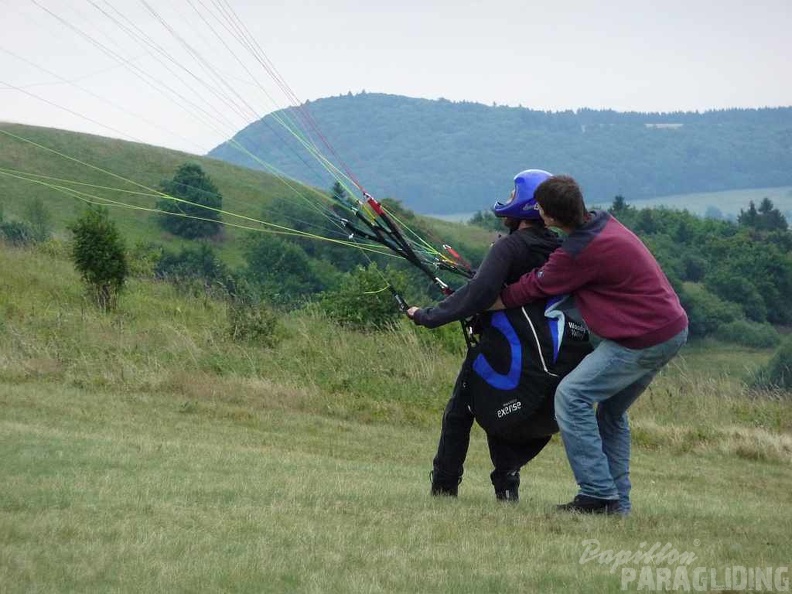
[(508, 201)]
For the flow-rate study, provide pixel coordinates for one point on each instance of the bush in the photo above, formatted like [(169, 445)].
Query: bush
[(250, 321), (749, 334), (777, 374), (283, 272), (707, 312), (16, 233), (196, 268), (144, 257), (98, 255), (737, 289), (35, 228), (363, 301)]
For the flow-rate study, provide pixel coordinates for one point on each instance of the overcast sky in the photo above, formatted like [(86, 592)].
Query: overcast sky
[(118, 68)]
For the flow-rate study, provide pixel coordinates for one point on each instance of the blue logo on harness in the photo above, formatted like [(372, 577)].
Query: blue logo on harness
[(482, 367), (555, 322)]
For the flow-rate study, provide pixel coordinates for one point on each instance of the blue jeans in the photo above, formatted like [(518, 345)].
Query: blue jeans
[(597, 440)]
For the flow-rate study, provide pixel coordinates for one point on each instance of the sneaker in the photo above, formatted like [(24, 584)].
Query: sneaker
[(584, 504)]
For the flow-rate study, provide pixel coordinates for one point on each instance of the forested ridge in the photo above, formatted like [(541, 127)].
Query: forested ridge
[(440, 157)]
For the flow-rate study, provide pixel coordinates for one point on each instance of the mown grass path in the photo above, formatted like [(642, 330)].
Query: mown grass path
[(103, 492)]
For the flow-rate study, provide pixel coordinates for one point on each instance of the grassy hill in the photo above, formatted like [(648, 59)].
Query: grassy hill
[(122, 171), (113, 168), (146, 451)]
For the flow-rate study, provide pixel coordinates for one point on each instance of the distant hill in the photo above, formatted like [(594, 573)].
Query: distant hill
[(446, 157)]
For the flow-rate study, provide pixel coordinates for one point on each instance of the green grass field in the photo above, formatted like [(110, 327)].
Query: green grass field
[(144, 451)]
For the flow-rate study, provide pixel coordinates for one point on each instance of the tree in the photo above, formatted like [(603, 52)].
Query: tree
[(764, 218), (745, 270), (707, 312), (771, 218), (192, 211), (302, 215), (732, 286), (619, 206), (98, 255), (339, 193)]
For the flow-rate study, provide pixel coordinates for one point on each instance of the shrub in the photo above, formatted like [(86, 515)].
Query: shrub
[(193, 268), (450, 338), (250, 321), (249, 318), (707, 312), (16, 233), (144, 257), (749, 334), (98, 255), (486, 220), (363, 301), (282, 271)]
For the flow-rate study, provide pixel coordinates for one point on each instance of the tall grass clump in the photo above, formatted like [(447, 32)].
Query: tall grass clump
[(777, 374)]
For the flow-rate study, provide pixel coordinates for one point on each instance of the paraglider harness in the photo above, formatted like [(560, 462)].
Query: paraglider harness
[(511, 372), (515, 358)]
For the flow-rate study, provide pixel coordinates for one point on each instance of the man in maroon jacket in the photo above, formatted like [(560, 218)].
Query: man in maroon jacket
[(627, 301)]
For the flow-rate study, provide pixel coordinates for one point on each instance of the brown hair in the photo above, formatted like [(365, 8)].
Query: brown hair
[(561, 198)]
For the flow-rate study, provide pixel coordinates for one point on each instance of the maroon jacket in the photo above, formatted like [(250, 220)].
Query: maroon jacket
[(619, 288)]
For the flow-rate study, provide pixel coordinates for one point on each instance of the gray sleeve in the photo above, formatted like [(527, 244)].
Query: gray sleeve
[(477, 295)]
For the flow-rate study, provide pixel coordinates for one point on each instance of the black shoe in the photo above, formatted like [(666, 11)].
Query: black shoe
[(512, 495), (444, 488), (584, 504), (507, 485)]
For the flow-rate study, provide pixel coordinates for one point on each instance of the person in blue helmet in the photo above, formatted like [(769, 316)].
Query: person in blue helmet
[(527, 246)]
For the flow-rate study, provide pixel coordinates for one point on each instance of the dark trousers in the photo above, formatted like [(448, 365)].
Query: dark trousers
[(508, 453)]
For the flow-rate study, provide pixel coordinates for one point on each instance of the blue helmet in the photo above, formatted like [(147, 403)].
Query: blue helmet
[(521, 204)]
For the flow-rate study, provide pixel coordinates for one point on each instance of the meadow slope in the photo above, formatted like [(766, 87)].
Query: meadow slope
[(144, 451)]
